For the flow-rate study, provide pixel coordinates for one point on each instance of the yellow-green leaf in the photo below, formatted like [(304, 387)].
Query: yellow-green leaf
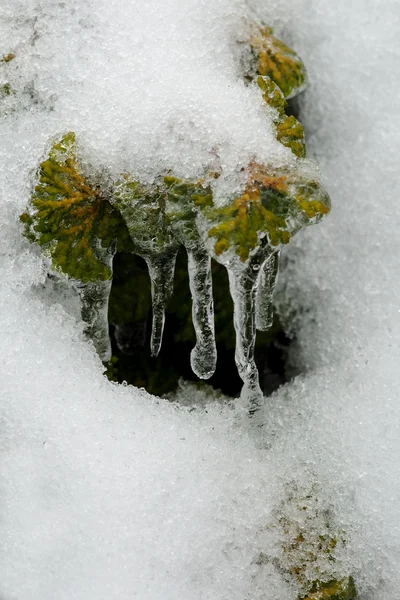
[(277, 61), (69, 218), (288, 129), (275, 205)]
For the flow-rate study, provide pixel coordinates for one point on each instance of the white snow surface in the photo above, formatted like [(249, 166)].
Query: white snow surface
[(107, 492)]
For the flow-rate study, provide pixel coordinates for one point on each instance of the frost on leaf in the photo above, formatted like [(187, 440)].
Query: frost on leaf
[(69, 218), (272, 58)]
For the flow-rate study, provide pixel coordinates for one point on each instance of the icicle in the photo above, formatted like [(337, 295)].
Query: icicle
[(267, 279), (203, 357), (243, 287), (94, 298), (161, 271)]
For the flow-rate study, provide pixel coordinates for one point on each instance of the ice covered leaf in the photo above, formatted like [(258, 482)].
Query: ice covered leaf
[(275, 204), (184, 199), (314, 546), (241, 223), (289, 131), (143, 208), (273, 58), (332, 590), (70, 218)]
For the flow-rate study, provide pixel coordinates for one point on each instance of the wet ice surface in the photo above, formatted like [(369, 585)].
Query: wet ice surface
[(109, 492)]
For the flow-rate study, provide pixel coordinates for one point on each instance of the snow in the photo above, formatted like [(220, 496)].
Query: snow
[(107, 491)]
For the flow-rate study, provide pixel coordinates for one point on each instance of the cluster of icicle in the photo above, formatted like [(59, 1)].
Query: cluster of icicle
[(80, 227), (251, 287)]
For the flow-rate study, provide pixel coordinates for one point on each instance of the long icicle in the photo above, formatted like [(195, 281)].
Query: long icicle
[(94, 306), (267, 279), (243, 287), (161, 271), (203, 358)]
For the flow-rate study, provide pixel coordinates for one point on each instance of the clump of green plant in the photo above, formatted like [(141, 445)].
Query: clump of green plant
[(80, 223), (311, 546)]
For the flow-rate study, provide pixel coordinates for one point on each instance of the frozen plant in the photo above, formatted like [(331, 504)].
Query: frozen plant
[(311, 546), (80, 218)]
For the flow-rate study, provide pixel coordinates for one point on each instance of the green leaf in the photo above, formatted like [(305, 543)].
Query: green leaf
[(274, 205), (272, 58), (289, 131), (69, 218)]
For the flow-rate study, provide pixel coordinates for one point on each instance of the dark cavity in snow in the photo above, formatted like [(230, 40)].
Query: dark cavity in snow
[(130, 318)]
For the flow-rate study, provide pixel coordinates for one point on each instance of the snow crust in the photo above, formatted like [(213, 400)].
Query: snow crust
[(109, 492)]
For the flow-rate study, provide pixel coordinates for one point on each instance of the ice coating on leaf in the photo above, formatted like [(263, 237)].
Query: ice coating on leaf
[(289, 131), (143, 210), (267, 279), (184, 198), (94, 298), (71, 219), (272, 58), (203, 358), (275, 204)]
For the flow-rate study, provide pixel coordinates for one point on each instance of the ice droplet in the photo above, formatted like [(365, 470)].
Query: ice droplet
[(161, 271), (267, 279), (203, 358), (94, 300)]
